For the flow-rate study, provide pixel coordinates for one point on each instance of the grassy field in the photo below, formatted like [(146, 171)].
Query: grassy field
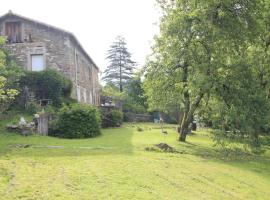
[(116, 166)]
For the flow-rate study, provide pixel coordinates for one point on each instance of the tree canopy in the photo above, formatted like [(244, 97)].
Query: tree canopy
[(121, 66), (208, 51)]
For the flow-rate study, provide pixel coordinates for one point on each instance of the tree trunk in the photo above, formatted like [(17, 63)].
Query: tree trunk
[(184, 121), (120, 73), (187, 118), (183, 129), (190, 108), (121, 86)]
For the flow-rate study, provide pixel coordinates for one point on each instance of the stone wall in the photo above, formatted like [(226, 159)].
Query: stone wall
[(132, 117), (60, 51)]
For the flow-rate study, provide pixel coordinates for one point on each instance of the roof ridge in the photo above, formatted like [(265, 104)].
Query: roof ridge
[(11, 13)]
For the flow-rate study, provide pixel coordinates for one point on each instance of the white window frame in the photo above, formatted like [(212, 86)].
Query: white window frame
[(78, 93), (84, 95), (91, 97), (41, 59)]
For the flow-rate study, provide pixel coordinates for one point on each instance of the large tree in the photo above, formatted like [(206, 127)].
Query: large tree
[(200, 43), (121, 66), (240, 103)]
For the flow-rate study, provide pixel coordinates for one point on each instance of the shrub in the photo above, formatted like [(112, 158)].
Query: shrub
[(10, 73), (113, 118), (47, 84), (77, 121), (33, 108)]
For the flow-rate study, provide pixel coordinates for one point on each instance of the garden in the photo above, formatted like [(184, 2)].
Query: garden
[(192, 123), (121, 164)]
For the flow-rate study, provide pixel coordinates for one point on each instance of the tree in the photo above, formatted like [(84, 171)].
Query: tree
[(111, 91), (240, 103), (200, 41), (239, 106), (134, 96), (120, 68), (9, 74)]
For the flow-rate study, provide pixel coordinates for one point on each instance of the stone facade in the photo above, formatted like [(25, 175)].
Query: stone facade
[(58, 49)]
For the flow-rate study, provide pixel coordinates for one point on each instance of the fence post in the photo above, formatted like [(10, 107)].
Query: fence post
[(43, 124)]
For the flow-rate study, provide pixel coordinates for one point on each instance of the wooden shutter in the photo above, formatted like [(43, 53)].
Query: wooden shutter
[(18, 31), (8, 31), (13, 32)]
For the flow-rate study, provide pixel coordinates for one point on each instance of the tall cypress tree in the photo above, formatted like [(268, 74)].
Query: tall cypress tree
[(120, 68)]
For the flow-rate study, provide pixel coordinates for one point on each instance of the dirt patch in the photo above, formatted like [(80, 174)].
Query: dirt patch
[(163, 147)]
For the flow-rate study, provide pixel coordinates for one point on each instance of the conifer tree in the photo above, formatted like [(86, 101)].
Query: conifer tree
[(121, 66)]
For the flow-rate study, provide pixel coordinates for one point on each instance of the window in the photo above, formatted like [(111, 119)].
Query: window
[(13, 32), (90, 73), (77, 63), (94, 99), (78, 93), (37, 62), (90, 97), (84, 95)]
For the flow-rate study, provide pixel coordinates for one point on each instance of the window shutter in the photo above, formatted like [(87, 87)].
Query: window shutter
[(13, 32), (8, 31)]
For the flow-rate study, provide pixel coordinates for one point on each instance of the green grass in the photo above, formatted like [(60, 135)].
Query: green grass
[(116, 166)]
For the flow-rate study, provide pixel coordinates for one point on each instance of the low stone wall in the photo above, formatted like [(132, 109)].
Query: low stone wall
[(132, 117)]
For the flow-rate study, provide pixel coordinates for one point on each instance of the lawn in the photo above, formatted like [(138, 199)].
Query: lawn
[(116, 166)]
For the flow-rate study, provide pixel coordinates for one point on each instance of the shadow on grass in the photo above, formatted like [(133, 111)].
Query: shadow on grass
[(236, 157), (112, 141)]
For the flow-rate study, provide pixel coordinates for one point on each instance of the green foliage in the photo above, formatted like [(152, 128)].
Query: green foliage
[(48, 84), (50, 109), (207, 52), (110, 90), (77, 121), (134, 97), (239, 107), (234, 174), (9, 75), (113, 118), (33, 108), (120, 68)]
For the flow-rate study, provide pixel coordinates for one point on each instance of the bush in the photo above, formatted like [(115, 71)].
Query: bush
[(47, 84), (33, 108), (10, 73), (77, 121), (112, 119)]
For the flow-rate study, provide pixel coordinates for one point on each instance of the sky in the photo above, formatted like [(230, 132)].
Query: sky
[(96, 23)]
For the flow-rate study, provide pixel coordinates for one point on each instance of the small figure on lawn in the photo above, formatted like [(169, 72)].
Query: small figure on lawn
[(164, 132), (161, 121)]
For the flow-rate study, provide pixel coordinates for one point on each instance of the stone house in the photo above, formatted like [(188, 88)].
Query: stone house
[(37, 46)]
